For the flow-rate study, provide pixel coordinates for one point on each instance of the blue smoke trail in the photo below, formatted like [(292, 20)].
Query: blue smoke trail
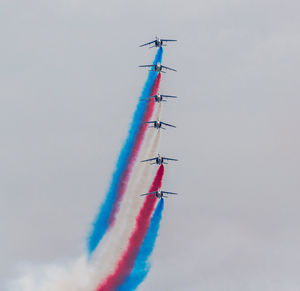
[(101, 222), (142, 264)]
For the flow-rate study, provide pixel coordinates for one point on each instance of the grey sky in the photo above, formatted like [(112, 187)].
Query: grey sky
[(69, 86)]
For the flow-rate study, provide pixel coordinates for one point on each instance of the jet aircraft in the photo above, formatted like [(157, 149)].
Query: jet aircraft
[(159, 193), (158, 67), (158, 42), (159, 160), (159, 98), (158, 124)]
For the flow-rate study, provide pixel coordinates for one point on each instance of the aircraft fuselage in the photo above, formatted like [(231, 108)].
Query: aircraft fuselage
[(157, 124), (158, 42), (159, 160), (158, 98), (158, 194), (157, 67)]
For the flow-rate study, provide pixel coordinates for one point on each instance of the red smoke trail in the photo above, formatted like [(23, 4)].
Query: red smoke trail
[(135, 150), (126, 263)]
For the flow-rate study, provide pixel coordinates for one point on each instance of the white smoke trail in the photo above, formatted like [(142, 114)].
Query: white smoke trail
[(73, 276)]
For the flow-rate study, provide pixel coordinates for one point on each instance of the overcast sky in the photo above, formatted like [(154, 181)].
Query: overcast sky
[(69, 86)]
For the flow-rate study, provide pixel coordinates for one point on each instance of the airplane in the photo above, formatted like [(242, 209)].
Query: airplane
[(157, 42), (158, 124), (159, 160), (160, 194), (158, 67), (159, 97)]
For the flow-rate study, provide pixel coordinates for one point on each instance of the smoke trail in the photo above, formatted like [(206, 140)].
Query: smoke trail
[(126, 263), (114, 244), (142, 263), (83, 275), (75, 276), (136, 147), (119, 178), (158, 112)]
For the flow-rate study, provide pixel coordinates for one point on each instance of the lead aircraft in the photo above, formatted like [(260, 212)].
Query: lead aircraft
[(158, 42)]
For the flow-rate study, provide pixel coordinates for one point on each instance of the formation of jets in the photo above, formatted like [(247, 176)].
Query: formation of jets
[(158, 67)]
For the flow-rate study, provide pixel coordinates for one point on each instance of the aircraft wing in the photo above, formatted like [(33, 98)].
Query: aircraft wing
[(149, 122), (168, 68), (146, 66), (165, 192), (148, 160), (169, 159), (168, 96), (168, 39), (147, 43), (148, 193), (167, 124)]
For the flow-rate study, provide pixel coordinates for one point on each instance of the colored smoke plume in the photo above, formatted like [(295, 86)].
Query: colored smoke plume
[(108, 209), (126, 263), (142, 263)]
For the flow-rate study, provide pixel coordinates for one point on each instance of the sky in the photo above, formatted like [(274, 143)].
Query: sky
[(69, 83)]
